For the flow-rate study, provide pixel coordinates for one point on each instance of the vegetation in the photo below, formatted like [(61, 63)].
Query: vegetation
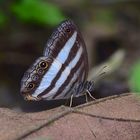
[(33, 11), (2, 19), (135, 78)]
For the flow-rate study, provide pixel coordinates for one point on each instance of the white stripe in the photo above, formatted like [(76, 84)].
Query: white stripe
[(61, 96), (64, 75), (63, 55), (48, 77), (56, 65)]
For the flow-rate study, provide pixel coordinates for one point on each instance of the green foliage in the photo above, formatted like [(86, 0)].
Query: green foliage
[(38, 12), (135, 78), (2, 19), (1, 1)]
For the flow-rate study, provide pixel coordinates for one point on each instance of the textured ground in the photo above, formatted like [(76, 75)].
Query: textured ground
[(116, 118)]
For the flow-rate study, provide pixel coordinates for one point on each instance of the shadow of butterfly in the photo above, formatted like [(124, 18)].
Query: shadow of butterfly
[(62, 70)]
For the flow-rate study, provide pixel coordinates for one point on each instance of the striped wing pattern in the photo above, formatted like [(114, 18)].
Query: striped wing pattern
[(68, 65)]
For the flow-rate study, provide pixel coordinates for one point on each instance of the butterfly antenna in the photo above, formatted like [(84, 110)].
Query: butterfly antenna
[(99, 74), (101, 69)]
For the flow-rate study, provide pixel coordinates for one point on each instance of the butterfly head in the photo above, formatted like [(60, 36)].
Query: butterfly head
[(32, 78)]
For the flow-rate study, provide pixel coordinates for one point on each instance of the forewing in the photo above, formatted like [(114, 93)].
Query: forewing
[(66, 46)]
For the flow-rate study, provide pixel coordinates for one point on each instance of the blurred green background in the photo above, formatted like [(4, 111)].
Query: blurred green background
[(111, 30)]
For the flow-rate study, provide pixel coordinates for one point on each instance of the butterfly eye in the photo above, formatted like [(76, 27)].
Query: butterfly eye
[(43, 64), (30, 85)]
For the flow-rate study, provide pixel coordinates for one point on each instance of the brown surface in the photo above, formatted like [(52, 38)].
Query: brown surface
[(116, 118)]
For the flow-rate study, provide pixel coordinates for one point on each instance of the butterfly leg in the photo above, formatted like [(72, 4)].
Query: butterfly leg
[(86, 97), (71, 98), (87, 91), (84, 88), (89, 86)]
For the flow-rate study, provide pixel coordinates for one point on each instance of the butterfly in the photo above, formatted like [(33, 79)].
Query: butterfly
[(61, 72)]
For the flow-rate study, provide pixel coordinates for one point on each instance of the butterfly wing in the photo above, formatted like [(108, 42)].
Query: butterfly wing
[(63, 66), (66, 46), (59, 38)]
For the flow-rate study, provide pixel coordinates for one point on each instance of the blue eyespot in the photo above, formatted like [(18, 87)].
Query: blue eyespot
[(35, 77), (40, 71)]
